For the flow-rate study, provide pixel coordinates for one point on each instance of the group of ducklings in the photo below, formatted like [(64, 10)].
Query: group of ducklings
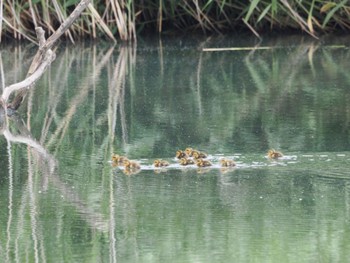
[(191, 156), (185, 157), (123, 160)]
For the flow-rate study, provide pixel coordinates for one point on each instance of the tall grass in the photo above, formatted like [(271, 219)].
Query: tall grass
[(124, 19)]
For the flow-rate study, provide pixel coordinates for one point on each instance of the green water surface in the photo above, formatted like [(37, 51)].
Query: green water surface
[(63, 201)]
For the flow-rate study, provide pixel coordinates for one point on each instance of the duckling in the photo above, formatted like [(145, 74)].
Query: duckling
[(118, 159), (199, 155), (131, 165), (227, 163), (160, 163), (189, 151), (203, 163), (186, 161), (180, 154), (273, 154)]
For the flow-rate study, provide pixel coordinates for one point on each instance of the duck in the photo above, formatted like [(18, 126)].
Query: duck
[(180, 154), (186, 161), (227, 163), (189, 151), (199, 155), (203, 163), (160, 163), (118, 159), (131, 165), (273, 154)]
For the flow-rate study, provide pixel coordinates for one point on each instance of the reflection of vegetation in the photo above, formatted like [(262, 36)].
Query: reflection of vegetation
[(245, 102), (98, 100), (289, 98), (126, 17), (43, 174)]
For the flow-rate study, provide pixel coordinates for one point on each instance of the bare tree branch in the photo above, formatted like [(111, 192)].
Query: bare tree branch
[(28, 82), (42, 59)]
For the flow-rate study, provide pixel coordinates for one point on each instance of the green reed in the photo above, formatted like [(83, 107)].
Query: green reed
[(125, 19)]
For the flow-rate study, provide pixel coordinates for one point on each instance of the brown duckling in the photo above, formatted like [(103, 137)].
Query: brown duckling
[(227, 163), (118, 159), (180, 154), (199, 155), (160, 163), (273, 154), (186, 161), (189, 151), (203, 163), (131, 165)]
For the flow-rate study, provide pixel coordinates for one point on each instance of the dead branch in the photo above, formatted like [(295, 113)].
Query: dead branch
[(29, 81), (42, 59)]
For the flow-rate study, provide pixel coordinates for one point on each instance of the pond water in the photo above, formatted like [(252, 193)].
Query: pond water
[(63, 200)]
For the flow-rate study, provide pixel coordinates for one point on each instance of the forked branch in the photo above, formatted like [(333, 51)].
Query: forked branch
[(43, 58)]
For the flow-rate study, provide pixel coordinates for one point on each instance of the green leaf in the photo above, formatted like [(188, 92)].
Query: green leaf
[(327, 6), (70, 3), (332, 12), (252, 6), (264, 12)]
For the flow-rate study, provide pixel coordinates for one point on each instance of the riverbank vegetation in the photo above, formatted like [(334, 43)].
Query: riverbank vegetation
[(126, 19)]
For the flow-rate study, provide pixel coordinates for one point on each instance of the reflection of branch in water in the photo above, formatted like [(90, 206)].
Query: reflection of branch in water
[(112, 222), (94, 219), (48, 164), (56, 89), (25, 138), (116, 90), (35, 147), (10, 212), (2, 75), (198, 90), (77, 100), (35, 225)]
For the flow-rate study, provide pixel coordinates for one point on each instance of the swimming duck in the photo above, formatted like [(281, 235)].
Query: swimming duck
[(180, 154), (160, 163), (132, 165), (273, 154), (203, 163), (118, 159), (186, 161), (227, 163), (189, 151), (199, 155)]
